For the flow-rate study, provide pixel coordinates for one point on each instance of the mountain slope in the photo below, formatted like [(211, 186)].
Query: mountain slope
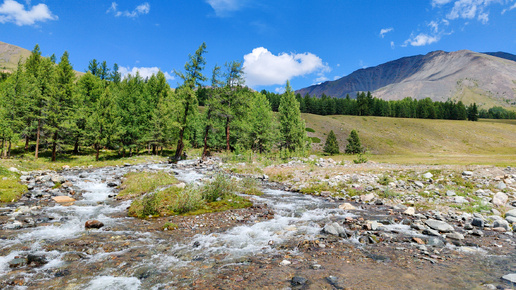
[(462, 75), (9, 56)]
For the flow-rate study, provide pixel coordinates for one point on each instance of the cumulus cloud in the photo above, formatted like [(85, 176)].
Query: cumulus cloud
[(421, 40), (145, 72), (141, 9), (12, 11), (223, 7), (385, 31), (261, 67)]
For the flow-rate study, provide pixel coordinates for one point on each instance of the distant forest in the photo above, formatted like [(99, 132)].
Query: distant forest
[(367, 105)]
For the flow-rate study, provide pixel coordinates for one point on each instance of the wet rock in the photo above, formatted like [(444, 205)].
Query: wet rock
[(500, 199), (73, 256), (36, 260), (93, 224), (112, 184), (17, 262), (435, 242), (439, 225), (347, 206), (57, 179), (336, 282), (14, 225), (62, 273), (64, 200), (298, 281), (510, 277), (334, 229)]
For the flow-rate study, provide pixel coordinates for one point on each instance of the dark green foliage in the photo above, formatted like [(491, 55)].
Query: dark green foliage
[(310, 130), (472, 112), (331, 146), (292, 126), (354, 145)]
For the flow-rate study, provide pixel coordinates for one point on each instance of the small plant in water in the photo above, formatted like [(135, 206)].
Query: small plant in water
[(170, 226)]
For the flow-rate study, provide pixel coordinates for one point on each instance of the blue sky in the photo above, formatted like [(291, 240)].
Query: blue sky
[(304, 41)]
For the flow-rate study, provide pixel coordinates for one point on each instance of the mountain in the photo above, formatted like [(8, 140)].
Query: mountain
[(9, 56), (489, 79)]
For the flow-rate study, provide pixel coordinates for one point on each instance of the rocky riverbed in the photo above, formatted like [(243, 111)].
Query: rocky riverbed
[(356, 226)]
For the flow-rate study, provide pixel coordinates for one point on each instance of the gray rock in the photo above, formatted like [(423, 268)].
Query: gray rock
[(431, 232), (14, 169), (455, 236), (500, 199), (478, 222), (511, 213), (57, 179), (511, 219), (501, 185), (36, 260), (467, 173), (428, 175), (367, 198), (419, 184), (336, 282), (439, 225), (298, 281), (477, 233), (435, 242), (460, 199), (18, 262), (334, 229), (510, 277), (501, 224), (451, 193)]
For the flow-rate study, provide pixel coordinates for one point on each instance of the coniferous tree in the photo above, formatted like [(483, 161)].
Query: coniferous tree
[(473, 112), (354, 145), (292, 127), (233, 101), (115, 76), (331, 146)]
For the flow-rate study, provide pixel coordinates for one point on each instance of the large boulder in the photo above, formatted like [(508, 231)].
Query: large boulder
[(439, 226), (93, 224), (500, 199)]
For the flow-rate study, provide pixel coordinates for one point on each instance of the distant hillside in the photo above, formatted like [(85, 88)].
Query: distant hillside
[(10, 55), (400, 136), (487, 79), (502, 54)]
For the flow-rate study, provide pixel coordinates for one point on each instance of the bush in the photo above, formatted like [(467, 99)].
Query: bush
[(188, 200), (331, 146), (361, 159), (310, 130), (220, 187)]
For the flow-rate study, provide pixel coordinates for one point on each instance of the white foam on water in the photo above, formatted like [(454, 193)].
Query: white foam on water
[(111, 282), (188, 176), (4, 261)]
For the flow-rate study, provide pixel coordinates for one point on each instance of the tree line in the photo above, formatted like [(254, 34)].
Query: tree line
[(45, 103), (367, 105)]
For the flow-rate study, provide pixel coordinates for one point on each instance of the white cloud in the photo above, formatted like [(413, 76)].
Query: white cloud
[(392, 45), (279, 90), (141, 9), (385, 31), (440, 2), (421, 40), (145, 72), (261, 67), (12, 11), (509, 9), (223, 7)]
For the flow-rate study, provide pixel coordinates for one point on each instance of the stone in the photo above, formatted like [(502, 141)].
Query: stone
[(336, 282), (335, 229), (455, 236), (501, 224), (439, 225), (435, 242), (511, 219), (428, 175), (467, 173), (501, 185), (451, 193), (367, 197), (460, 199), (316, 266), (57, 179), (410, 211), (418, 240), (511, 213), (477, 233), (477, 222), (73, 256), (419, 184), (17, 262), (510, 277), (14, 169), (64, 200), (285, 263), (93, 224), (298, 281), (36, 260), (500, 199), (431, 232), (347, 206)]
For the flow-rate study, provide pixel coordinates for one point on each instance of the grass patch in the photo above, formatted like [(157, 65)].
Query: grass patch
[(138, 183), (170, 226), (317, 188), (218, 195), (249, 186), (310, 130), (315, 140), (10, 187)]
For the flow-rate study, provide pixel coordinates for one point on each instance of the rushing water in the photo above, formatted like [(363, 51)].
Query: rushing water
[(140, 259)]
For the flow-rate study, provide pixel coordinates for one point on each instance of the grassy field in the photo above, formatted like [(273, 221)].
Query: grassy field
[(418, 141)]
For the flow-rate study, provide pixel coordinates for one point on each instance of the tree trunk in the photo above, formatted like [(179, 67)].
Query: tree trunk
[(205, 150), (9, 150), (180, 144), (37, 139), (26, 142), (154, 149), (3, 146), (76, 146), (97, 147), (227, 134), (54, 146)]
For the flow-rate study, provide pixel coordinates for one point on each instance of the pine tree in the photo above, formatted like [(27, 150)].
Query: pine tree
[(331, 146), (261, 124), (354, 146), (292, 127), (473, 112)]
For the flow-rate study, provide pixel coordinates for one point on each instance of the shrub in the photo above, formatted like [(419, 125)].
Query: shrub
[(310, 130), (361, 159), (220, 187), (188, 200)]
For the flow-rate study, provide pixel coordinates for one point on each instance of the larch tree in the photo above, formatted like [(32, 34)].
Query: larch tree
[(233, 101), (292, 126)]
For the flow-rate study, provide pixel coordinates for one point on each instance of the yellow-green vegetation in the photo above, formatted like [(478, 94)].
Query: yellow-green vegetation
[(218, 195), (10, 187), (422, 141), (138, 183), (170, 226)]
